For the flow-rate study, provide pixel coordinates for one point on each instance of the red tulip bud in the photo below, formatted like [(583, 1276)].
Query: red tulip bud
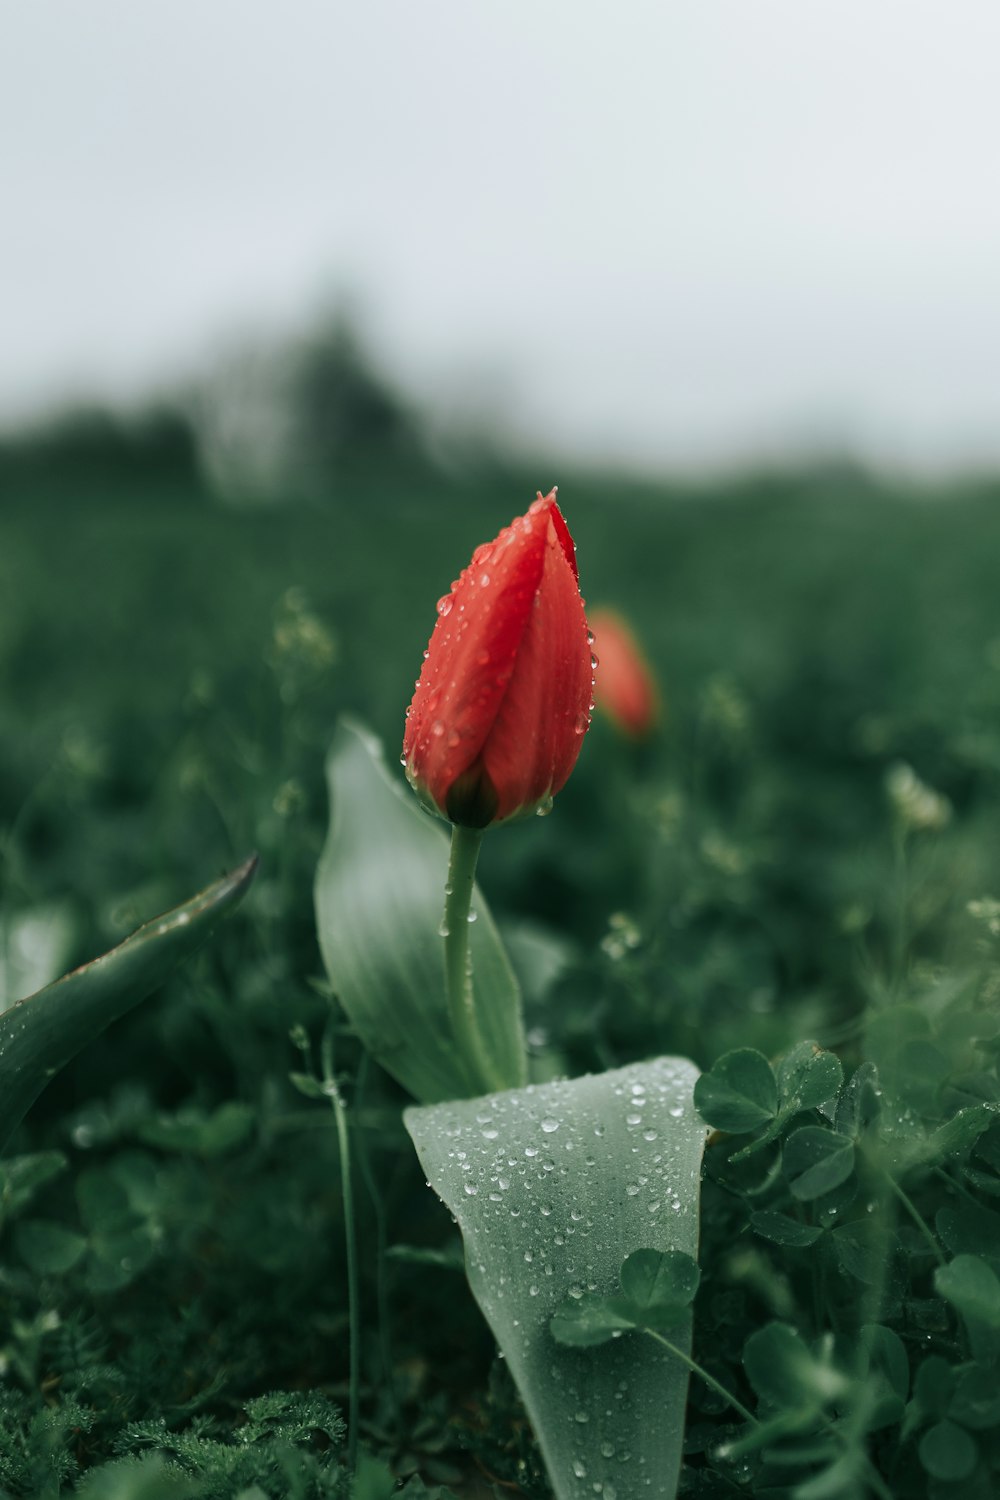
[(504, 698), (626, 689)]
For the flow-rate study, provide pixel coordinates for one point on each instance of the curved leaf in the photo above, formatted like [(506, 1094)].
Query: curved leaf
[(379, 902), (553, 1186), (39, 1035)]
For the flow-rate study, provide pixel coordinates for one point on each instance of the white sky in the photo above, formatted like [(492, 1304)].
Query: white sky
[(683, 233)]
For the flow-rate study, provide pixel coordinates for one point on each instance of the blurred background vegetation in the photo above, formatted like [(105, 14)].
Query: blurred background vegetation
[(686, 251), (188, 599)]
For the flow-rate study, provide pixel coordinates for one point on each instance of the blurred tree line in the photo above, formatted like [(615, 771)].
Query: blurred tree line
[(304, 417)]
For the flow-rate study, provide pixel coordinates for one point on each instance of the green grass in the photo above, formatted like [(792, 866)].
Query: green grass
[(171, 676)]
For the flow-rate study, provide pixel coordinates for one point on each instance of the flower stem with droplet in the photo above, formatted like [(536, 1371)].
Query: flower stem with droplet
[(465, 846)]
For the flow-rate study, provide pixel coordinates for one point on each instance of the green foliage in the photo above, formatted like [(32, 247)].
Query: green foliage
[(170, 677), (40, 1033), (379, 900), (657, 1288), (549, 1185)]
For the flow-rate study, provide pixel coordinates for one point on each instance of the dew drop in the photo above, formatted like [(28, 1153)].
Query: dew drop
[(444, 604), (549, 1125)]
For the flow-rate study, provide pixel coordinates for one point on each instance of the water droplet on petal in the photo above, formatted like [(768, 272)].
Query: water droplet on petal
[(444, 604)]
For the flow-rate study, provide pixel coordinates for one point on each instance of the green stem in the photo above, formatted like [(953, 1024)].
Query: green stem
[(710, 1380), (381, 1245), (465, 846), (350, 1249), (916, 1216)]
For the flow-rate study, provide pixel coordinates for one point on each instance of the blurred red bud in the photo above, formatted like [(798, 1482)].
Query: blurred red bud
[(504, 698), (626, 689)]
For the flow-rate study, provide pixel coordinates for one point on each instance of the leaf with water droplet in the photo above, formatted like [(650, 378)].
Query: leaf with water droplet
[(739, 1093), (562, 1219), (39, 1035)]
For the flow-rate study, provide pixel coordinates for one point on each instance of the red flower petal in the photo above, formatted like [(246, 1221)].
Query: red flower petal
[(503, 702), (626, 688)]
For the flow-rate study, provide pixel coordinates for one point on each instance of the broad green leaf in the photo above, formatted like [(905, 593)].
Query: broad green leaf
[(38, 1036), (781, 1229), (379, 903), (816, 1161), (150, 1477), (659, 1279), (602, 1166), (740, 1092), (808, 1077), (947, 1451), (971, 1286), (886, 1353), (786, 1374), (47, 1247), (590, 1320), (953, 1140)]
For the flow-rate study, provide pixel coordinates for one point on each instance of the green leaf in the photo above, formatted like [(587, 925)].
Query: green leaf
[(808, 1077), (553, 1186), (947, 1451), (659, 1284), (308, 1085), (816, 1161), (197, 1133), (590, 1320), (953, 1140), (785, 1373), (859, 1103), (379, 902), (740, 1092), (886, 1353), (971, 1286), (781, 1229), (38, 1036), (48, 1248), (22, 1176), (976, 1402)]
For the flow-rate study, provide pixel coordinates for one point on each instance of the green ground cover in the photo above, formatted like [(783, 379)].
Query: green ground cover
[(806, 850)]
